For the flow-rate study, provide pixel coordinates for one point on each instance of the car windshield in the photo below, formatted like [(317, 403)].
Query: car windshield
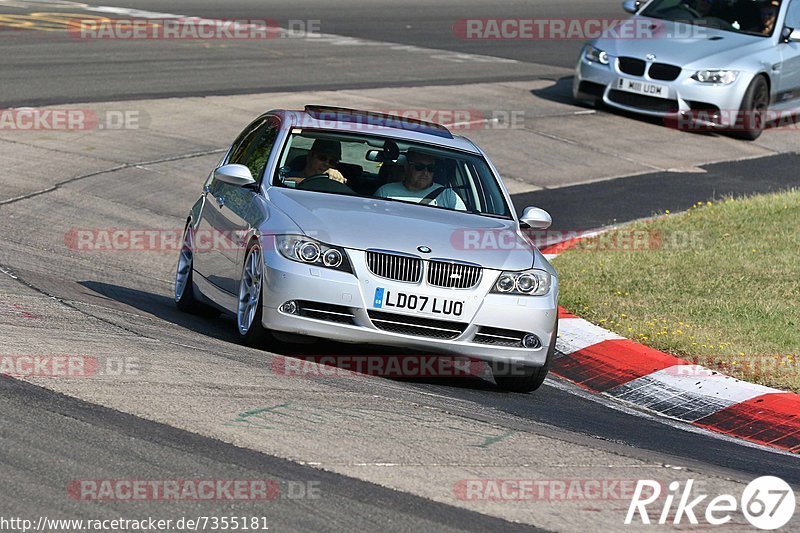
[(393, 170), (754, 17)]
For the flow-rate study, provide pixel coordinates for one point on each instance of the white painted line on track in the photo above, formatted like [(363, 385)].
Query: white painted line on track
[(471, 123), (7, 273)]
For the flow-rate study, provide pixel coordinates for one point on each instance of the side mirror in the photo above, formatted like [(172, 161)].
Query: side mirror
[(536, 218), (238, 175), (790, 35), (631, 6)]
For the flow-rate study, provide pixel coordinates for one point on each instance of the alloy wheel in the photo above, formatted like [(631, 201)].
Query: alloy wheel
[(250, 289)]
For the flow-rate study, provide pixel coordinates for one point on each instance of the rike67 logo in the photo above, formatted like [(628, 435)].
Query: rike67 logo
[(767, 503)]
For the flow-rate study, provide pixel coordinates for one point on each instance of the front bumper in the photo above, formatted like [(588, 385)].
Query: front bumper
[(286, 280), (688, 101)]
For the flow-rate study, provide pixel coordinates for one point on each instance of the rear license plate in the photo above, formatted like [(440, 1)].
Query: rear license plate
[(432, 305), (641, 87)]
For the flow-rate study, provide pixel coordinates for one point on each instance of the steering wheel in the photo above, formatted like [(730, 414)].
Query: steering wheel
[(312, 179), (323, 183)]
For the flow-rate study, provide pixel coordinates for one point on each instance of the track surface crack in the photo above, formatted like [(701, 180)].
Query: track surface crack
[(116, 168)]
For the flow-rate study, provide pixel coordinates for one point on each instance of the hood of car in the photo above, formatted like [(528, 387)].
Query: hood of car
[(370, 223), (685, 45)]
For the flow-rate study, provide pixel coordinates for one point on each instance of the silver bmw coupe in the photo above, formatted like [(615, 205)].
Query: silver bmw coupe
[(369, 228), (722, 64)]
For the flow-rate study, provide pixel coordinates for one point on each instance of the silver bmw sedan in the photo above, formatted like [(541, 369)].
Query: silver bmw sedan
[(363, 227)]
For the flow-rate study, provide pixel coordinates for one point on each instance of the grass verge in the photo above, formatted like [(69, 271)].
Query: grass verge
[(718, 285)]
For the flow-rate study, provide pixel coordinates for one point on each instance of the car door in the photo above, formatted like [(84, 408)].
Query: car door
[(788, 93), (229, 209)]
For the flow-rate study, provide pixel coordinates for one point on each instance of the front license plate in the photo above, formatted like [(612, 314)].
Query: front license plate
[(389, 300), (640, 87)]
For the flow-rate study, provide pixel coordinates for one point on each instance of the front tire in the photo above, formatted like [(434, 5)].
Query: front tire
[(250, 308), (752, 114), (532, 376)]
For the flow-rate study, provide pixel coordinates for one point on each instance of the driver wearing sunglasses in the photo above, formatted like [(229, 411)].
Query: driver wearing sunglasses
[(322, 159), (418, 186)]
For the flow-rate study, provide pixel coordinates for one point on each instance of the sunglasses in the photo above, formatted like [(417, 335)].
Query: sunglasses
[(330, 159), (419, 167)]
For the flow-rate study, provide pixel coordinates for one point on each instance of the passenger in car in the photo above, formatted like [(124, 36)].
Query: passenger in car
[(322, 159), (417, 185), (769, 12)]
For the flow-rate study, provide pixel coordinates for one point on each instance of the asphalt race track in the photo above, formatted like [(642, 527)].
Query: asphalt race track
[(177, 398), (53, 65)]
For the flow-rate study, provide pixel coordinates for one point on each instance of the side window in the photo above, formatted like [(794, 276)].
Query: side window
[(261, 148), (793, 15), (255, 146), (244, 141)]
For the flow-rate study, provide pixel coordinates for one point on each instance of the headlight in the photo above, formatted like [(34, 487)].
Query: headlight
[(309, 252), (306, 250), (532, 282), (505, 283), (595, 55), (719, 77), (332, 258)]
